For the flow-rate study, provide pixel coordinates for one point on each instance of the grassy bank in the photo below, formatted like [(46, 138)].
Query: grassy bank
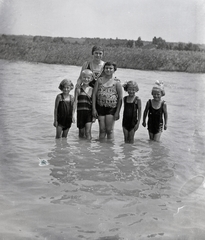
[(46, 50)]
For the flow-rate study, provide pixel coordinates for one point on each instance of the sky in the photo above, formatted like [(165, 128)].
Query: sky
[(172, 20)]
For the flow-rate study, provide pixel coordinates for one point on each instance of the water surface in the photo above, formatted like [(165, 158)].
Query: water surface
[(94, 190)]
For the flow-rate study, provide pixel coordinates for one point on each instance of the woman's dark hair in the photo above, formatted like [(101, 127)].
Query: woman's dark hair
[(110, 64), (97, 48)]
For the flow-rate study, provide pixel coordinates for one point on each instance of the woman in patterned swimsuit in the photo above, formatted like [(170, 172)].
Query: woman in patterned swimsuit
[(107, 101), (156, 110)]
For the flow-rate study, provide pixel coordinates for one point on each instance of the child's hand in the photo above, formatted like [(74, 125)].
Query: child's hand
[(95, 114), (73, 119), (136, 127), (116, 116), (165, 127), (77, 86), (93, 120), (55, 124), (144, 124)]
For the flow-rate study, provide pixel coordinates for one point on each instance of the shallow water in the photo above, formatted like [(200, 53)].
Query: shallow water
[(94, 190)]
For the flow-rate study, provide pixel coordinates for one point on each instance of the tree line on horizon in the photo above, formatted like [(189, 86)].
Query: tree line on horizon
[(156, 43)]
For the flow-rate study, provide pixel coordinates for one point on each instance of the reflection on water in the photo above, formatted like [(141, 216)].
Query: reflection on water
[(99, 190)]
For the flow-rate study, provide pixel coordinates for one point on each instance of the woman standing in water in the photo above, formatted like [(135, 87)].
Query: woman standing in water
[(95, 65), (107, 100)]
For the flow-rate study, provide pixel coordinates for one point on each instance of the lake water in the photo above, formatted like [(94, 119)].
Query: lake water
[(93, 190)]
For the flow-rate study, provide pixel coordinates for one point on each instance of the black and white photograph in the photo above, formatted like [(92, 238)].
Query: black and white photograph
[(102, 130)]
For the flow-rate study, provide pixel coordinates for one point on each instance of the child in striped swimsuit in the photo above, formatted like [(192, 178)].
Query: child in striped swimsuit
[(83, 103)]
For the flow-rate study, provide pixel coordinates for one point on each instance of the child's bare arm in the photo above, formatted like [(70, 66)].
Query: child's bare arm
[(165, 115), (139, 109), (145, 114), (72, 103), (75, 100), (94, 93), (119, 103), (139, 104), (55, 123), (79, 81)]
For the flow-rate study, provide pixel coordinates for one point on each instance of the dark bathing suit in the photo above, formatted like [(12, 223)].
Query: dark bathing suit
[(130, 117), (155, 120), (64, 113)]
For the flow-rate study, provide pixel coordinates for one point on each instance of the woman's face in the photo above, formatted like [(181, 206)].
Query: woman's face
[(98, 54), (109, 70)]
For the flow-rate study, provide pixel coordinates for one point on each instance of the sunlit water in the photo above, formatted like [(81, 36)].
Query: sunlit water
[(94, 190)]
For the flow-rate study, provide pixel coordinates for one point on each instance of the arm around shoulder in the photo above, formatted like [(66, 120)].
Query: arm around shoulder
[(84, 66)]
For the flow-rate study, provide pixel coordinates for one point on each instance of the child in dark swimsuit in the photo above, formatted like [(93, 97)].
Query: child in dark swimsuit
[(83, 103), (132, 111), (156, 110), (63, 110)]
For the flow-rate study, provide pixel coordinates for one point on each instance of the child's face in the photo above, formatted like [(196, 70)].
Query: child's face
[(98, 54), (157, 94), (131, 91), (109, 70), (66, 89), (86, 78)]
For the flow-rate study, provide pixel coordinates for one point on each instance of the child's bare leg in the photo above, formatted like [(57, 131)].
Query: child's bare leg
[(151, 136), (65, 133), (82, 133), (58, 131), (157, 137), (88, 130), (109, 123), (102, 130), (125, 135), (131, 135)]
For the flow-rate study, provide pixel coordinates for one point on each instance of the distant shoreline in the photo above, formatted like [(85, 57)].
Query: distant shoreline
[(58, 51)]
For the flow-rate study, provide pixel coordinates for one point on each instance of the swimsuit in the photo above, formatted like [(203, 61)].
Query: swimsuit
[(64, 113), (84, 109), (96, 74), (130, 116), (155, 120), (107, 98)]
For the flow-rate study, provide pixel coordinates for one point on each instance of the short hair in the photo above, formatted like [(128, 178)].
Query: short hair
[(159, 86), (110, 64), (132, 84), (87, 71), (97, 48), (65, 82)]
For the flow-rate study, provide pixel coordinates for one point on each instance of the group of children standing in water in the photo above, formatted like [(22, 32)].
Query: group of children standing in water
[(98, 95)]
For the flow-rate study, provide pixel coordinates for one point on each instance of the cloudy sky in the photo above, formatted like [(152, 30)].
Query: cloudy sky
[(173, 20)]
